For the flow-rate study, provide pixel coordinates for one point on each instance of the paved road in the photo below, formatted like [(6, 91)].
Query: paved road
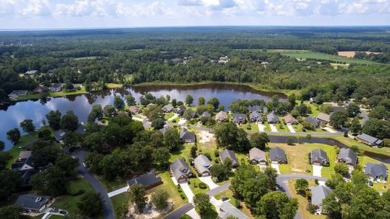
[(180, 211), (219, 189), (364, 116), (108, 209)]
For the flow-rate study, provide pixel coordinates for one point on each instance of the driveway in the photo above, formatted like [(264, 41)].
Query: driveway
[(173, 117), (276, 167), (291, 128), (331, 130), (187, 190), (182, 122), (193, 214), (219, 189), (118, 191), (317, 170), (180, 211), (216, 203), (261, 127), (208, 181), (273, 128)]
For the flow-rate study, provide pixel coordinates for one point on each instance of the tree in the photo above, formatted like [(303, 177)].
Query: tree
[(189, 100), (44, 134), (275, 205), (10, 182), (366, 202), (202, 203), (13, 135), (259, 140), (214, 102), (10, 212), (158, 123), (119, 103), (43, 153), (2, 145), (377, 128), (109, 111), (342, 169), (69, 121), (308, 137), (130, 100), (230, 136), (301, 185), (68, 164), (91, 205), (355, 126), (96, 113), (219, 171), (54, 119), (28, 126), (271, 174), (338, 119), (292, 98), (161, 156), (137, 197), (332, 206), (160, 199), (50, 182), (172, 139), (201, 101), (353, 110)]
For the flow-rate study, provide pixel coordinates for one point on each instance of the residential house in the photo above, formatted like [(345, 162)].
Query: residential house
[(227, 210), (264, 110), (205, 114), (319, 157), (223, 60), (59, 135), (40, 89), (314, 122), (134, 109), (202, 165), (272, 118), (289, 119), (221, 116), (277, 155), (324, 118), (148, 180), (187, 136), (17, 93), (255, 108), (31, 72), (167, 108), (228, 154), (318, 194), (180, 170), (254, 116), (376, 172), (190, 112), (257, 156), (239, 118), (347, 156), (146, 123), (180, 110), (31, 203), (369, 140), (56, 88)]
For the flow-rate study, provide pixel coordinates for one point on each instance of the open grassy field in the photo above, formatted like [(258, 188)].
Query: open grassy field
[(168, 115), (113, 85)]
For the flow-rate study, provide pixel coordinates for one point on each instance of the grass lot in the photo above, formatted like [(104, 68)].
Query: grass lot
[(171, 188), (23, 141), (298, 127), (314, 109), (194, 182), (281, 126), (350, 142), (168, 115), (111, 185), (253, 126), (377, 186), (267, 127), (120, 204), (113, 85)]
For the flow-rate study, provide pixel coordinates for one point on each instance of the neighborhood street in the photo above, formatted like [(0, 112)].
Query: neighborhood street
[(180, 211)]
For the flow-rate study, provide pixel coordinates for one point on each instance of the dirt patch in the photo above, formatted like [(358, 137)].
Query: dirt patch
[(351, 54), (205, 137), (149, 212)]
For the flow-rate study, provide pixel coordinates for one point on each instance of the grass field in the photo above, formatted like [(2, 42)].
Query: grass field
[(253, 126), (168, 116), (351, 142)]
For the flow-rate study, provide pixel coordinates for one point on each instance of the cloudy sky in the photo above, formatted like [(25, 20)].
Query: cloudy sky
[(32, 14)]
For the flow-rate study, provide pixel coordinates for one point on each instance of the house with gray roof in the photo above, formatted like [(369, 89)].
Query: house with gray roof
[(239, 118), (257, 156), (187, 136), (324, 118), (255, 117), (180, 110), (376, 172), (180, 170), (347, 156), (205, 114), (202, 165), (228, 210), (148, 180), (272, 118), (264, 110), (167, 108), (221, 116), (369, 140), (314, 122), (319, 157), (277, 155), (31, 203), (318, 194), (228, 154)]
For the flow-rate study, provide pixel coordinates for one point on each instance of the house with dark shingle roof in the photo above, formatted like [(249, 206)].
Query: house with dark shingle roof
[(376, 172), (314, 122), (221, 116), (31, 203), (180, 170), (319, 157), (205, 114), (228, 154), (186, 136), (257, 156), (347, 156), (180, 110), (202, 165), (272, 118), (324, 118), (277, 155), (167, 108), (255, 117), (148, 180), (227, 210), (369, 140), (318, 194), (239, 118)]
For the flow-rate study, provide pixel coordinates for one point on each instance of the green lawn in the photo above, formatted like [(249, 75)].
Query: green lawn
[(194, 182), (111, 185), (113, 85), (363, 147), (253, 126), (171, 188), (120, 204), (298, 127), (284, 168), (18, 147), (168, 116), (281, 126), (314, 109), (267, 127)]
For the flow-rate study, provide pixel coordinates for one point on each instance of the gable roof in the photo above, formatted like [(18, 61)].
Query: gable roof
[(376, 170), (202, 163), (180, 168), (323, 117), (31, 201), (370, 139), (220, 116), (313, 121), (148, 180), (180, 109), (227, 209), (277, 154), (59, 135), (255, 116), (186, 135), (318, 193), (134, 109), (318, 155), (24, 155), (168, 108), (348, 156), (289, 118), (229, 154), (206, 114), (239, 117), (257, 154), (272, 117)]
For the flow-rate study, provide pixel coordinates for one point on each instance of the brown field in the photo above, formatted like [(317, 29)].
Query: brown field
[(351, 54)]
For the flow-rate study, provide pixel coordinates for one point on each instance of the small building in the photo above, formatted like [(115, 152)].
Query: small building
[(314, 122), (369, 140), (186, 136), (227, 210), (31, 203), (277, 155), (205, 114), (239, 118), (180, 170), (40, 89), (255, 108), (319, 157), (134, 109), (202, 165), (318, 194), (221, 116), (376, 172), (24, 162), (254, 116), (180, 110), (167, 108), (148, 180), (289, 119), (31, 72), (347, 156), (324, 118), (272, 118), (228, 154), (59, 135), (17, 93), (257, 156)]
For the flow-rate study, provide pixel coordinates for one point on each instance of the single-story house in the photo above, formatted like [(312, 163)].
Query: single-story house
[(319, 157), (167, 108), (31, 72), (186, 136), (202, 165), (257, 156), (40, 89), (17, 93), (289, 119), (272, 118), (239, 118), (255, 108), (56, 87), (148, 180), (254, 116), (323, 117), (134, 109), (313, 121), (318, 194), (277, 155), (59, 135), (25, 162), (180, 109), (376, 172), (32, 203), (369, 140), (221, 116), (180, 170), (225, 154), (347, 156), (205, 114), (227, 210)]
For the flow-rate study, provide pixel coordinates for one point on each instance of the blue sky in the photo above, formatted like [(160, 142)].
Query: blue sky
[(32, 14)]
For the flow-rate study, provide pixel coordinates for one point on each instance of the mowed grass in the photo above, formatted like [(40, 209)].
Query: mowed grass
[(363, 147), (380, 187)]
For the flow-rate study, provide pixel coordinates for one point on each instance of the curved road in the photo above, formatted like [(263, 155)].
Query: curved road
[(108, 209)]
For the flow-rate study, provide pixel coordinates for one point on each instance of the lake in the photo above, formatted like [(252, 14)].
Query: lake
[(11, 116)]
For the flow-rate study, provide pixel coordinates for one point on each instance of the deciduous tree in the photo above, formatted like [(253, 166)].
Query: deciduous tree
[(13, 135), (28, 126), (137, 197), (160, 199)]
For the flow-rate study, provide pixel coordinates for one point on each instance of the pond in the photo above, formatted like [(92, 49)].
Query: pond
[(11, 116)]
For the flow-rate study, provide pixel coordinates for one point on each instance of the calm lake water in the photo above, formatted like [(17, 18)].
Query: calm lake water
[(81, 105)]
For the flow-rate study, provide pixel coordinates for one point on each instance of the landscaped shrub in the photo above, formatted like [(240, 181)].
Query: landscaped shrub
[(216, 160), (311, 208), (202, 185), (290, 141), (216, 153), (237, 203)]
